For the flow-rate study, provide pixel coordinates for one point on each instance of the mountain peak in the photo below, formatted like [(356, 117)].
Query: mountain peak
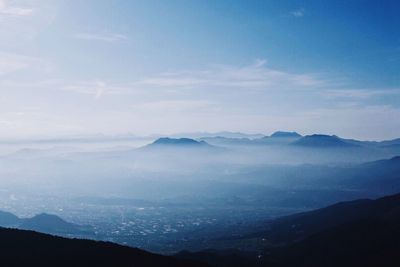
[(178, 142), (8, 219), (48, 223), (282, 134)]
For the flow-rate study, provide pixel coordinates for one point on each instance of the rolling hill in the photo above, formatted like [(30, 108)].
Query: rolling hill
[(45, 223), (356, 233)]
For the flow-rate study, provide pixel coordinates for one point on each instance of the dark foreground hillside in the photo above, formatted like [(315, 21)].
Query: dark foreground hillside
[(28, 248), (356, 233), (369, 243)]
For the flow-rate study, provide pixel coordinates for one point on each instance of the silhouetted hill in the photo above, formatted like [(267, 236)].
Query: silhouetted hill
[(321, 140), (45, 223), (355, 233), (8, 219), (48, 223), (298, 226), (368, 243), (222, 258), (27, 248)]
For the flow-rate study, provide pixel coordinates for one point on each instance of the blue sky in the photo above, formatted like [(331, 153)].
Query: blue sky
[(145, 67)]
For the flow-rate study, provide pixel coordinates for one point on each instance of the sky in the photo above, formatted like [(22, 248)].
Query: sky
[(162, 67)]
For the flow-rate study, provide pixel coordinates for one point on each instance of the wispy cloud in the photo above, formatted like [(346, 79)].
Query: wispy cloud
[(255, 76), (173, 105), (96, 88), (110, 38), (298, 13), (10, 62), (22, 20), (359, 93), (7, 9)]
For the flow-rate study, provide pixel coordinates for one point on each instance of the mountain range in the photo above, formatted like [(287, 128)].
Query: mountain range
[(294, 138)]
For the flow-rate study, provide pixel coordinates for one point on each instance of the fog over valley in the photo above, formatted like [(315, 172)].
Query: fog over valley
[(169, 193), (180, 133)]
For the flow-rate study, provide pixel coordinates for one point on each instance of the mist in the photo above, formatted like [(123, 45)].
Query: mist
[(177, 180)]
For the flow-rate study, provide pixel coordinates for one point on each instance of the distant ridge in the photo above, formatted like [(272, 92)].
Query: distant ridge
[(282, 134), (322, 140), (220, 140), (279, 138), (178, 141), (225, 134)]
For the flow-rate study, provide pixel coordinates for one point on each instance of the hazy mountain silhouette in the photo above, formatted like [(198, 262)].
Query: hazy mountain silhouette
[(393, 162), (20, 248), (178, 142), (282, 134), (225, 134), (279, 137), (7, 219), (394, 142), (46, 223), (220, 140), (321, 140)]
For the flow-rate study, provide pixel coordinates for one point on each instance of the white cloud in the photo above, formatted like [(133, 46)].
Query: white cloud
[(110, 38), (298, 13)]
